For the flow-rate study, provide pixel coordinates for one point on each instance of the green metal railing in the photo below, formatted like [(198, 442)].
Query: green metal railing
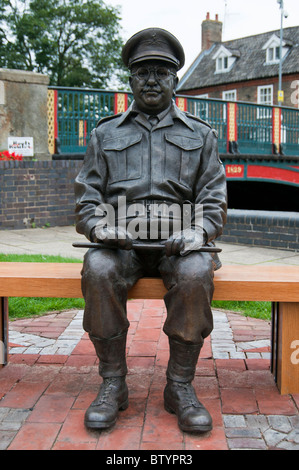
[(214, 112), (256, 129), (78, 112), (290, 131), (254, 124)]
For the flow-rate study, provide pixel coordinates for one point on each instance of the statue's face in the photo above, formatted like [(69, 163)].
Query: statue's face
[(153, 84)]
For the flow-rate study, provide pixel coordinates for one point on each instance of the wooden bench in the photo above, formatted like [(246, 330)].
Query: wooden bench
[(277, 284)]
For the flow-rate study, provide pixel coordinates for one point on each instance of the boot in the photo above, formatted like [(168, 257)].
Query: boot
[(179, 395), (113, 394), (112, 397)]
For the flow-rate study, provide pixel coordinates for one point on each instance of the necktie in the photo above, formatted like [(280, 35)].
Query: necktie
[(153, 120)]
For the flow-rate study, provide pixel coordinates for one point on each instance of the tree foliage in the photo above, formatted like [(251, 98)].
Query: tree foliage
[(74, 42)]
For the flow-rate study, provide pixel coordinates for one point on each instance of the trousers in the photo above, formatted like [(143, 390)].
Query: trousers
[(107, 276)]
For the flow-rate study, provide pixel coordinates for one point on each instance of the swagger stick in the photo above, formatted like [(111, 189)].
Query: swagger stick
[(145, 246)]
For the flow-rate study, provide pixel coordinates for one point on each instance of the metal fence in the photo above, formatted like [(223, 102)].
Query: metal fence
[(255, 129)]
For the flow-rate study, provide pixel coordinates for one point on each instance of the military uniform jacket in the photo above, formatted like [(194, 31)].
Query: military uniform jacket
[(175, 161)]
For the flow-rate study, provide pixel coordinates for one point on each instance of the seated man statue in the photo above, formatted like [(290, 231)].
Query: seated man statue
[(153, 156)]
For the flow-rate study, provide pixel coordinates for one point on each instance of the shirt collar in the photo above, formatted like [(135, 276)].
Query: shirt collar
[(166, 117)]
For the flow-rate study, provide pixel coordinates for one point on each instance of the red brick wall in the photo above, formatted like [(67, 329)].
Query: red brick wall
[(247, 91), (37, 193)]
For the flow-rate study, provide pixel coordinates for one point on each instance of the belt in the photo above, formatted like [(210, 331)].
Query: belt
[(158, 208)]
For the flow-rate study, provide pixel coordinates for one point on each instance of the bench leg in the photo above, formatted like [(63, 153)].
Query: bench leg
[(285, 346), (3, 331)]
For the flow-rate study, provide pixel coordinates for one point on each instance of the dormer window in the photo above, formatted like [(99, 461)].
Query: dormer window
[(273, 54), (225, 59), (222, 64), (272, 48)]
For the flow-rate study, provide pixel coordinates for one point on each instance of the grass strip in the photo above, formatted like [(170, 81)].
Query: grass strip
[(26, 307)]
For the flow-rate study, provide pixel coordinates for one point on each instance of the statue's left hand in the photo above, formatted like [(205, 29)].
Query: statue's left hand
[(184, 242)]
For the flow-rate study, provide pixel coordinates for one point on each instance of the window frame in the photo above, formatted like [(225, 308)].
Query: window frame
[(259, 90), (224, 64), (264, 113), (231, 92)]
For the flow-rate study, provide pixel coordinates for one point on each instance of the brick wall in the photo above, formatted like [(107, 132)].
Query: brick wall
[(37, 193), (247, 91), (263, 228), (40, 193)]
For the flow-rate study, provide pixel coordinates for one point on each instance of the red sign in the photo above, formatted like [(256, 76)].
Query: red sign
[(234, 171)]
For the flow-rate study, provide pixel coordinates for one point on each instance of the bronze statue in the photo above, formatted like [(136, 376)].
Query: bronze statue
[(151, 164)]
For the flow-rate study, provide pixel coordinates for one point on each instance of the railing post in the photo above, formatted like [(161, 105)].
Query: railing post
[(82, 133), (181, 103), (120, 102), (232, 131), (52, 120), (276, 131)]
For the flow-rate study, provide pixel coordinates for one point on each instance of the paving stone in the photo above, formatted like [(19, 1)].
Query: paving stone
[(17, 415), (257, 421), (287, 446), (6, 437), (246, 386), (247, 444), (280, 423), (243, 432), (3, 413), (293, 436), (234, 421), (295, 422), (273, 437)]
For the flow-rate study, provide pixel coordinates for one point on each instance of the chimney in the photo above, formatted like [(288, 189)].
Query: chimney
[(211, 32)]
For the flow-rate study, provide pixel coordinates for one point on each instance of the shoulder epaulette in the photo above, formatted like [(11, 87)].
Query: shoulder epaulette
[(198, 119), (108, 118)]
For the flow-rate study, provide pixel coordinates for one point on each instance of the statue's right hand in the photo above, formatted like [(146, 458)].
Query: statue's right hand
[(113, 237)]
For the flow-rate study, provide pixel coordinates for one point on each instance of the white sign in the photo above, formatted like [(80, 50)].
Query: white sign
[(21, 146)]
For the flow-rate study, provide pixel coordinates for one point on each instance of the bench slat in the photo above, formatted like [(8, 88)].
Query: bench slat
[(232, 282)]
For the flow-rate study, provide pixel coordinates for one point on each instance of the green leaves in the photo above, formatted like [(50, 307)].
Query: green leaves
[(74, 42)]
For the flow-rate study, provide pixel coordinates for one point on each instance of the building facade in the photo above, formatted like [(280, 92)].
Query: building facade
[(245, 69)]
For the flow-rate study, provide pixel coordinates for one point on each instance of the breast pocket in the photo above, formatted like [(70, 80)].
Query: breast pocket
[(182, 157), (124, 157)]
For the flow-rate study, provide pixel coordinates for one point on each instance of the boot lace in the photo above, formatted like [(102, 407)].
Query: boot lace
[(106, 392), (187, 395)]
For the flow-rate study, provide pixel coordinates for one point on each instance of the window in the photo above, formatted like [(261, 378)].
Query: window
[(225, 59), (222, 64), (265, 95), (230, 95), (272, 48), (201, 108), (273, 54)]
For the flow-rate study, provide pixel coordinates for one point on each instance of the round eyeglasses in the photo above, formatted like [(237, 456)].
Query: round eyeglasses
[(161, 73)]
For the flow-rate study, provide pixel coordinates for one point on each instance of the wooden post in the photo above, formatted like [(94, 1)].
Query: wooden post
[(287, 348), (3, 331)]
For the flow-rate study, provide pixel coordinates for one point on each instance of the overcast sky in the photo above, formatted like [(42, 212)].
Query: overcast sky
[(183, 18)]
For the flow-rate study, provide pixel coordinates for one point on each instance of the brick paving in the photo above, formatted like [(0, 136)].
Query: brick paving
[(52, 377)]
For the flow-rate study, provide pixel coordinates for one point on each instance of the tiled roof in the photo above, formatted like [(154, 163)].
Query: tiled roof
[(250, 61)]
